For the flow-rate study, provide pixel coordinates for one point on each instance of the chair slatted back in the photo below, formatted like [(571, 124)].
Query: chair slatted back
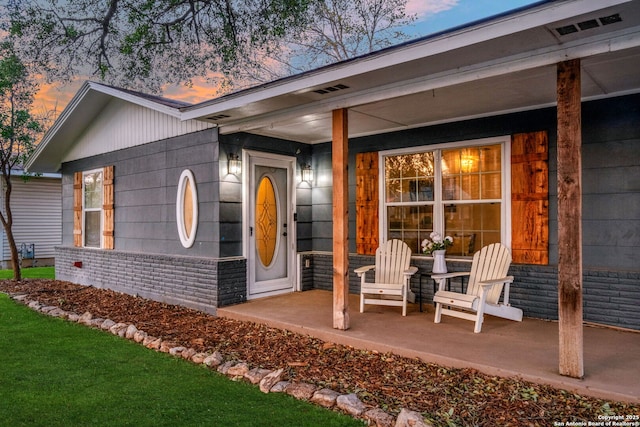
[(392, 259), (490, 262)]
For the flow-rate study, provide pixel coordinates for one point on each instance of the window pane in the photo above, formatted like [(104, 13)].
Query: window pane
[(470, 187), (92, 228), (472, 226), (472, 173), (411, 224), (491, 186), (93, 190), (409, 177), (490, 158)]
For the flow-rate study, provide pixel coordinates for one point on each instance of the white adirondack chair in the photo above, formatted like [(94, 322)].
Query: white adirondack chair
[(392, 275), (487, 278)]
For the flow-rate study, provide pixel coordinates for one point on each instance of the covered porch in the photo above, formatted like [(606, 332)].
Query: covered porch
[(528, 350)]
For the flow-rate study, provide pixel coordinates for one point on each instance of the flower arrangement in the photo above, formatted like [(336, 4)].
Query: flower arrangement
[(437, 243)]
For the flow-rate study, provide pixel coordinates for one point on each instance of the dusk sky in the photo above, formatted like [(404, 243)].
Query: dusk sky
[(433, 16)]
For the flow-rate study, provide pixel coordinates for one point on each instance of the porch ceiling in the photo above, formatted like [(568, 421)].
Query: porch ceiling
[(501, 65)]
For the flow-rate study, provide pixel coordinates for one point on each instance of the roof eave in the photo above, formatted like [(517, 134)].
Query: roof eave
[(538, 14)]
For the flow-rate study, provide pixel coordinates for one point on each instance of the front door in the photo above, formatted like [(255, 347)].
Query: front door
[(271, 231)]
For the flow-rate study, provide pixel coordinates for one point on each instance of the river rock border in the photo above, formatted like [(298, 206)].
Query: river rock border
[(267, 380)]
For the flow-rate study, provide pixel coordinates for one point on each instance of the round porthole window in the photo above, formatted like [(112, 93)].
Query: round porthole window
[(187, 208)]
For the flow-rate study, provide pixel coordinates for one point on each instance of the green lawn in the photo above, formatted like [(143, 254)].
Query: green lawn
[(31, 273), (58, 373)]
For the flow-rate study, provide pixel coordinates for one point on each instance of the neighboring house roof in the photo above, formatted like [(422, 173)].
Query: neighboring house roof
[(498, 65)]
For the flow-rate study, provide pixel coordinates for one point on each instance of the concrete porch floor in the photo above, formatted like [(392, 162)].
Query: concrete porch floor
[(528, 350)]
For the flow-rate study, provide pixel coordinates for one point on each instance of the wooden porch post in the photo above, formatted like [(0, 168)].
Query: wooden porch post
[(339, 160), (570, 219)]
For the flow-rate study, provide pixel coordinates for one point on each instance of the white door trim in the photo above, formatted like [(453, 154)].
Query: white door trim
[(249, 159)]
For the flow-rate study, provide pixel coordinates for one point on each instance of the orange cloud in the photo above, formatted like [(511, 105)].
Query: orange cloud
[(53, 97)]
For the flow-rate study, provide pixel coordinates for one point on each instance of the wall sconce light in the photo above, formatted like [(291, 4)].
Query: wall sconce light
[(307, 173), (235, 164)]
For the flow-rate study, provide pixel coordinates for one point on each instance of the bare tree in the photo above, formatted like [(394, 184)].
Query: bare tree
[(18, 132), (336, 30)]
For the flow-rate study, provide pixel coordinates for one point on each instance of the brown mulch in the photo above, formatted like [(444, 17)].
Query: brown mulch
[(444, 396)]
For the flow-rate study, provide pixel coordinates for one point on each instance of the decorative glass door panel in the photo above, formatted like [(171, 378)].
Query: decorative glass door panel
[(266, 226)]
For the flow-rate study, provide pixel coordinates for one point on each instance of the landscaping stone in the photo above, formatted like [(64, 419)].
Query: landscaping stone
[(270, 380), (198, 358), (96, 323), (107, 324), (115, 329), (47, 308), (408, 418), (85, 319), (152, 343), (139, 336), (238, 370), (302, 391), (58, 312), (188, 353), (165, 346), (73, 317), (214, 359), (379, 418), (224, 368), (280, 387), (130, 332), (325, 397), (35, 305), (256, 375), (350, 404), (176, 351)]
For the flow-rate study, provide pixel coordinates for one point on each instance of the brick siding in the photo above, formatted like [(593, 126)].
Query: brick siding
[(200, 283)]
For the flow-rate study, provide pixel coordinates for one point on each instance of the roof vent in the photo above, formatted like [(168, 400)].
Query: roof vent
[(218, 117), (588, 24), (611, 19), (331, 89)]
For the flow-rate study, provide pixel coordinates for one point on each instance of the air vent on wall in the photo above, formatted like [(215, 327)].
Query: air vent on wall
[(588, 24), (330, 89), (218, 117)]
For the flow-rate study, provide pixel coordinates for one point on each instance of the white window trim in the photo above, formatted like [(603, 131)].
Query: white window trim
[(187, 239), (85, 209), (505, 205)]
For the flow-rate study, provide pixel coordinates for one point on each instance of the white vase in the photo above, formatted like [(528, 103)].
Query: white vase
[(439, 264)]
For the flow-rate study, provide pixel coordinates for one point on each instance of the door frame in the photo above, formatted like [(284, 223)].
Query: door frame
[(249, 158)]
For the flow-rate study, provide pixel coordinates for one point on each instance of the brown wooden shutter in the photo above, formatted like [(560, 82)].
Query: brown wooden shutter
[(107, 207), (367, 203), (530, 198), (77, 209)]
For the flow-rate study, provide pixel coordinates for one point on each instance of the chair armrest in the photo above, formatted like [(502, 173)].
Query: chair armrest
[(361, 270), (489, 283), (411, 271), (450, 275)]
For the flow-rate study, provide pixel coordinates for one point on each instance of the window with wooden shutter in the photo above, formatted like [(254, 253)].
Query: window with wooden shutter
[(93, 208), (530, 198), (367, 203)]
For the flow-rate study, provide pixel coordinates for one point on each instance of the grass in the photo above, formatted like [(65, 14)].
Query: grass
[(31, 273), (58, 373)]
